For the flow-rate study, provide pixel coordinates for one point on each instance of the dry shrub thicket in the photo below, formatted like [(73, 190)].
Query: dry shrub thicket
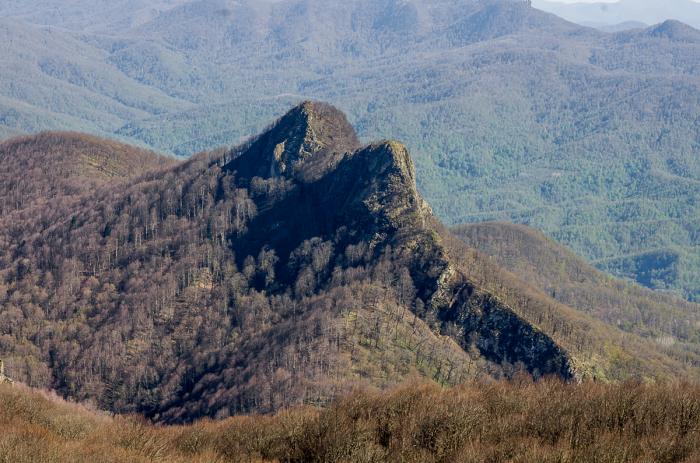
[(517, 421)]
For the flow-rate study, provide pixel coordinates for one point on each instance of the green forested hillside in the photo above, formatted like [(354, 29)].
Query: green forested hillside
[(93, 15), (512, 113)]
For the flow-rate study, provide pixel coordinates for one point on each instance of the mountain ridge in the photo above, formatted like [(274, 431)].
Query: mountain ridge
[(196, 290), (602, 13), (570, 280)]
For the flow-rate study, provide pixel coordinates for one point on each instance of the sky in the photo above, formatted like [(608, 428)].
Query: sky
[(648, 12), (595, 1)]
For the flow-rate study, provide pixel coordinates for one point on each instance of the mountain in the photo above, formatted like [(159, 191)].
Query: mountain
[(87, 15), (621, 11), (68, 84), (286, 270), (512, 113)]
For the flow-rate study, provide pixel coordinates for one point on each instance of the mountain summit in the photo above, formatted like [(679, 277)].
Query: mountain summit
[(299, 145), (675, 31), (283, 271)]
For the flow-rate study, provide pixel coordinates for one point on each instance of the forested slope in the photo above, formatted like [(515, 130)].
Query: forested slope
[(52, 165), (283, 271), (544, 264)]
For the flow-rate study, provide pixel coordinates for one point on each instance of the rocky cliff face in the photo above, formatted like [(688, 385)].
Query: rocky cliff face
[(300, 145)]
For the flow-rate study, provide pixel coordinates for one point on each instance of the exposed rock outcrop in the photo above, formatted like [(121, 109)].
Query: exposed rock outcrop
[(289, 147), (3, 378)]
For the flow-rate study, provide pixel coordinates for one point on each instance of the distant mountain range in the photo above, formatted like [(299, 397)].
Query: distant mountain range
[(100, 16), (624, 13), (288, 270), (512, 113)]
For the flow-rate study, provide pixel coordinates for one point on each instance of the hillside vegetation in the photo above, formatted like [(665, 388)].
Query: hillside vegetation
[(498, 422), (54, 165), (285, 271), (544, 264), (512, 113)]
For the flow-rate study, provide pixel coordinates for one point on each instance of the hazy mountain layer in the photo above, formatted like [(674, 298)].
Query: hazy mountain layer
[(512, 113), (624, 11)]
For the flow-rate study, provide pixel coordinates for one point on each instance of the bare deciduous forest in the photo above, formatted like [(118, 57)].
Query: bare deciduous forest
[(284, 272), (292, 296)]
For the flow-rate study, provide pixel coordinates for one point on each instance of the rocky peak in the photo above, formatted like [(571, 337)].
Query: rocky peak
[(370, 193), (386, 171), (303, 144)]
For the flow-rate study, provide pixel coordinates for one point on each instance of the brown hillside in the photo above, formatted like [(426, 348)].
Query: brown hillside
[(542, 263), (497, 422), (217, 286), (39, 167)]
